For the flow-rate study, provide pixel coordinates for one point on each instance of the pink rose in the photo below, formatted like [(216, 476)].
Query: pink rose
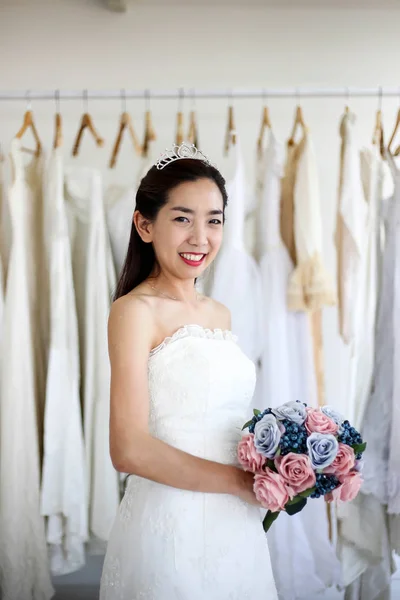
[(343, 463), (350, 487), (248, 456), (317, 421), (297, 471), (271, 490), (333, 495)]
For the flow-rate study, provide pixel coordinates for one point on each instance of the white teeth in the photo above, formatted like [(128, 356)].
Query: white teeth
[(195, 257)]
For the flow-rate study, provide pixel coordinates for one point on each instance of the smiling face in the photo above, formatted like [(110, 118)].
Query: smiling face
[(187, 232)]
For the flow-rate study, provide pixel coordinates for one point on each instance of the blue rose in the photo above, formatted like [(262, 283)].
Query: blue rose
[(333, 414), (267, 435), (322, 449), (293, 411)]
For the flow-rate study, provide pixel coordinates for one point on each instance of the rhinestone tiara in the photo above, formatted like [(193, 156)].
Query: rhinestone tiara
[(185, 150)]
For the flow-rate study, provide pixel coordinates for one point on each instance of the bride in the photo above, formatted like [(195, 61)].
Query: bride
[(189, 525)]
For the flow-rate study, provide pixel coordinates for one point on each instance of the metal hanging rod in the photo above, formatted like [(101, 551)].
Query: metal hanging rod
[(182, 93)]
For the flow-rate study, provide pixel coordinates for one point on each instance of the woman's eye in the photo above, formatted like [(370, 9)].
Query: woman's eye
[(215, 221), (181, 219)]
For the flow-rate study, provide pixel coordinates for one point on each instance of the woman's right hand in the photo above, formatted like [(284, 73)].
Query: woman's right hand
[(245, 491)]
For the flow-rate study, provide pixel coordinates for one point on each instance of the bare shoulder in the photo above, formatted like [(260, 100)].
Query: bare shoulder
[(220, 314), (131, 320)]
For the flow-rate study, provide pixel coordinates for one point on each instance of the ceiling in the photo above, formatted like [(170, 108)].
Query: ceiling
[(361, 4)]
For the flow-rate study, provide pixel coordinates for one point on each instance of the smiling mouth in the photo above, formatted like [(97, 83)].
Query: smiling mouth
[(193, 260)]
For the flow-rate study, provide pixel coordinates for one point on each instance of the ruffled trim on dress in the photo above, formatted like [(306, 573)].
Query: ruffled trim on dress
[(310, 286), (194, 330)]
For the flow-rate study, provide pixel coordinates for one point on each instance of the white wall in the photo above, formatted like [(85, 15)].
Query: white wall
[(71, 44)]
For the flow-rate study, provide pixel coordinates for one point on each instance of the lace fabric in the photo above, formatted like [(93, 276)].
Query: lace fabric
[(310, 286), (173, 544)]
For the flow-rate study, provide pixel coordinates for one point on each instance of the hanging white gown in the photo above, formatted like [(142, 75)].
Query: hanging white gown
[(235, 280), (24, 568), (364, 531), (94, 281), (377, 184), (63, 495), (2, 259), (350, 232), (303, 559), (120, 205)]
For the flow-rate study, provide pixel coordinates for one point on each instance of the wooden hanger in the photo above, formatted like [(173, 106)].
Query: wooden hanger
[(265, 124), (86, 123), (378, 136), (230, 136), (149, 134), (396, 127), (29, 123), (193, 136), (347, 107), (58, 135), (124, 122), (179, 128), (298, 122), (179, 120)]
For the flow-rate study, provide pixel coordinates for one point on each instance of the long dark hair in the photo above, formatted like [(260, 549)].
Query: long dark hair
[(151, 196)]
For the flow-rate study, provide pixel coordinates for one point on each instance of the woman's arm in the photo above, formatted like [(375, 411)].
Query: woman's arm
[(132, 448)]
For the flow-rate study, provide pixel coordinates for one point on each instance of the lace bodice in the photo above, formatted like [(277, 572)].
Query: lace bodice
[(200, 386)]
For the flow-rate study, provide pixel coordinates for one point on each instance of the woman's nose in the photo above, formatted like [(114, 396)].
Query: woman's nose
[(198, 236)]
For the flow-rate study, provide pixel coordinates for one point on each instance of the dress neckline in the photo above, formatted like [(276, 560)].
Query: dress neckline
[(195, 330)]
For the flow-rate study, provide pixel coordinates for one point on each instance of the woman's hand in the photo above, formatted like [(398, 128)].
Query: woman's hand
[(245, 491)]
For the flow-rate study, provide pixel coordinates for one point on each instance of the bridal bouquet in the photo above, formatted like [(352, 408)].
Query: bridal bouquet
[(296, 453)]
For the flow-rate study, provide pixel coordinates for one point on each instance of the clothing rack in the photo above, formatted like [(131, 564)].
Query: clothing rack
[(192, 94)]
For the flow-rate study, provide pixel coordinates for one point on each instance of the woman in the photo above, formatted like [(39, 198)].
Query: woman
[(189, 526)]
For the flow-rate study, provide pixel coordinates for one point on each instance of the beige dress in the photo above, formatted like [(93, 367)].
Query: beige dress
[(310, 286)]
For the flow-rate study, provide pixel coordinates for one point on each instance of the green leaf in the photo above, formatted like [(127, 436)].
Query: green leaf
[(359, 448), (256, 412), (307, 493), (269, 518), (247, 424), (271, 465), (294, 508), (293, 501)]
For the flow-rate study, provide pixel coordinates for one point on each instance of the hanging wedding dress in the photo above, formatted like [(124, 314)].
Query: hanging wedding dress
[(235, 280), (2, 270), (94, 281), (377, 184), (24, 569), (303, 559), (350, 231), (63, 495), (366, 536), (120, 205), (173, 544), (310, 286)]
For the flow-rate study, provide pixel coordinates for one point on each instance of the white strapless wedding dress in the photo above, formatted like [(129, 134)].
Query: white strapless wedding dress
[(172, 544)]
